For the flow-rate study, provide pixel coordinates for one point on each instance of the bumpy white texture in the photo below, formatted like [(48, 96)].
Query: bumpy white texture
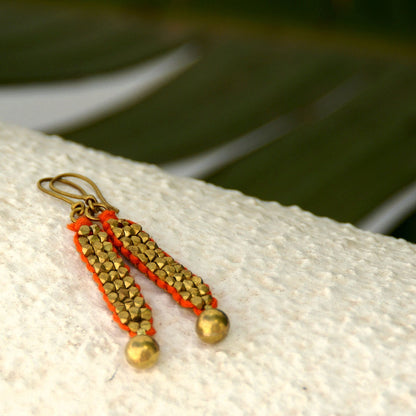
[(322, 314)]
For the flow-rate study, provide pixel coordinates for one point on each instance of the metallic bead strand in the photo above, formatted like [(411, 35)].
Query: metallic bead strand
[(191, 288), (117, 284)]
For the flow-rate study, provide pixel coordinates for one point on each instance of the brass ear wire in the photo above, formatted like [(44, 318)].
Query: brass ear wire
[(58, 193), (88, 206), (84, 195)]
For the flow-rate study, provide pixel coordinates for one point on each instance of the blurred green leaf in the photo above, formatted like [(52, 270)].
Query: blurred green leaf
[(41, 43), (343, 165), (237, 86)]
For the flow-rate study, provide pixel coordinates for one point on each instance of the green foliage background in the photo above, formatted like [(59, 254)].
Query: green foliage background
[(255, 65), (387, 16)]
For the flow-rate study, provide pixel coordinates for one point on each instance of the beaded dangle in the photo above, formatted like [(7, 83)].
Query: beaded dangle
[(102, 239)]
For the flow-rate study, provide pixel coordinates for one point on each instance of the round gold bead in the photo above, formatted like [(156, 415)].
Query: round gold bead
[(142, 351), (212, 326)]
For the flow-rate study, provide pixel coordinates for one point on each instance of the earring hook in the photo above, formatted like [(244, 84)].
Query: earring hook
[(58, 193), (88, 206)]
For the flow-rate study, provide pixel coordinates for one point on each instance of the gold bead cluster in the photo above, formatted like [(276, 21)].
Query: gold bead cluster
[(189, 286), (118, 285)]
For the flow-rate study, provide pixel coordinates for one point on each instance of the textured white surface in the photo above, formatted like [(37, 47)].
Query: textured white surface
[(323, 315)]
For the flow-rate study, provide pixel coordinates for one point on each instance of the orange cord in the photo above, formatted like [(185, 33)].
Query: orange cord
[(75, 226), (104, 217)]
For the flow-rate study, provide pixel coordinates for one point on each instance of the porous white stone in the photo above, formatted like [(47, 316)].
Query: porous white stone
[(322, 314)]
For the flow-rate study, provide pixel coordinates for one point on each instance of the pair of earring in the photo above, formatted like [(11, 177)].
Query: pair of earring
[(102, 240)]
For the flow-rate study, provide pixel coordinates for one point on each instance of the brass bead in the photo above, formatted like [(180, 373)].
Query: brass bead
[(146, 325), (160, 261), (197, 280), (136, 228), (134, 312), (97, 245), (128, 231), (95, 228), (144, 236), (113, 222), (102, 236), (104, 277), (112, 255), (203, 289), (197, 301), (108, 288), (161, 274), (108, 266), (133, 250), (83, 241), (84, 230), (112, 297), (113, 275), (194, 292), (118, 232), (150, 254), (119, 307), (93, 239), (92, 259), (122, 271), (142, 351), (188, 284), (170, 280), (160, 252), (123, 294), (170, 270), (207, 300), (212, 326), (118, 284), (187, 274), (117, 262), (143, 258), (151, 244), (87, 250), (145, 314), (142, 247), (128, 303), (126, 241), (102, 256), (138, 301), (170, 260), (185, 295), (133, 326), (133, 292), (124, 317), (178, 277), (128, 281)]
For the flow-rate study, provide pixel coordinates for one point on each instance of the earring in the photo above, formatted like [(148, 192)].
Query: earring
[(100, 237)]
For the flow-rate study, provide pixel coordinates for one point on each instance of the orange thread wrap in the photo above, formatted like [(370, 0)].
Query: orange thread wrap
[(75, 227), (107, 215)]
